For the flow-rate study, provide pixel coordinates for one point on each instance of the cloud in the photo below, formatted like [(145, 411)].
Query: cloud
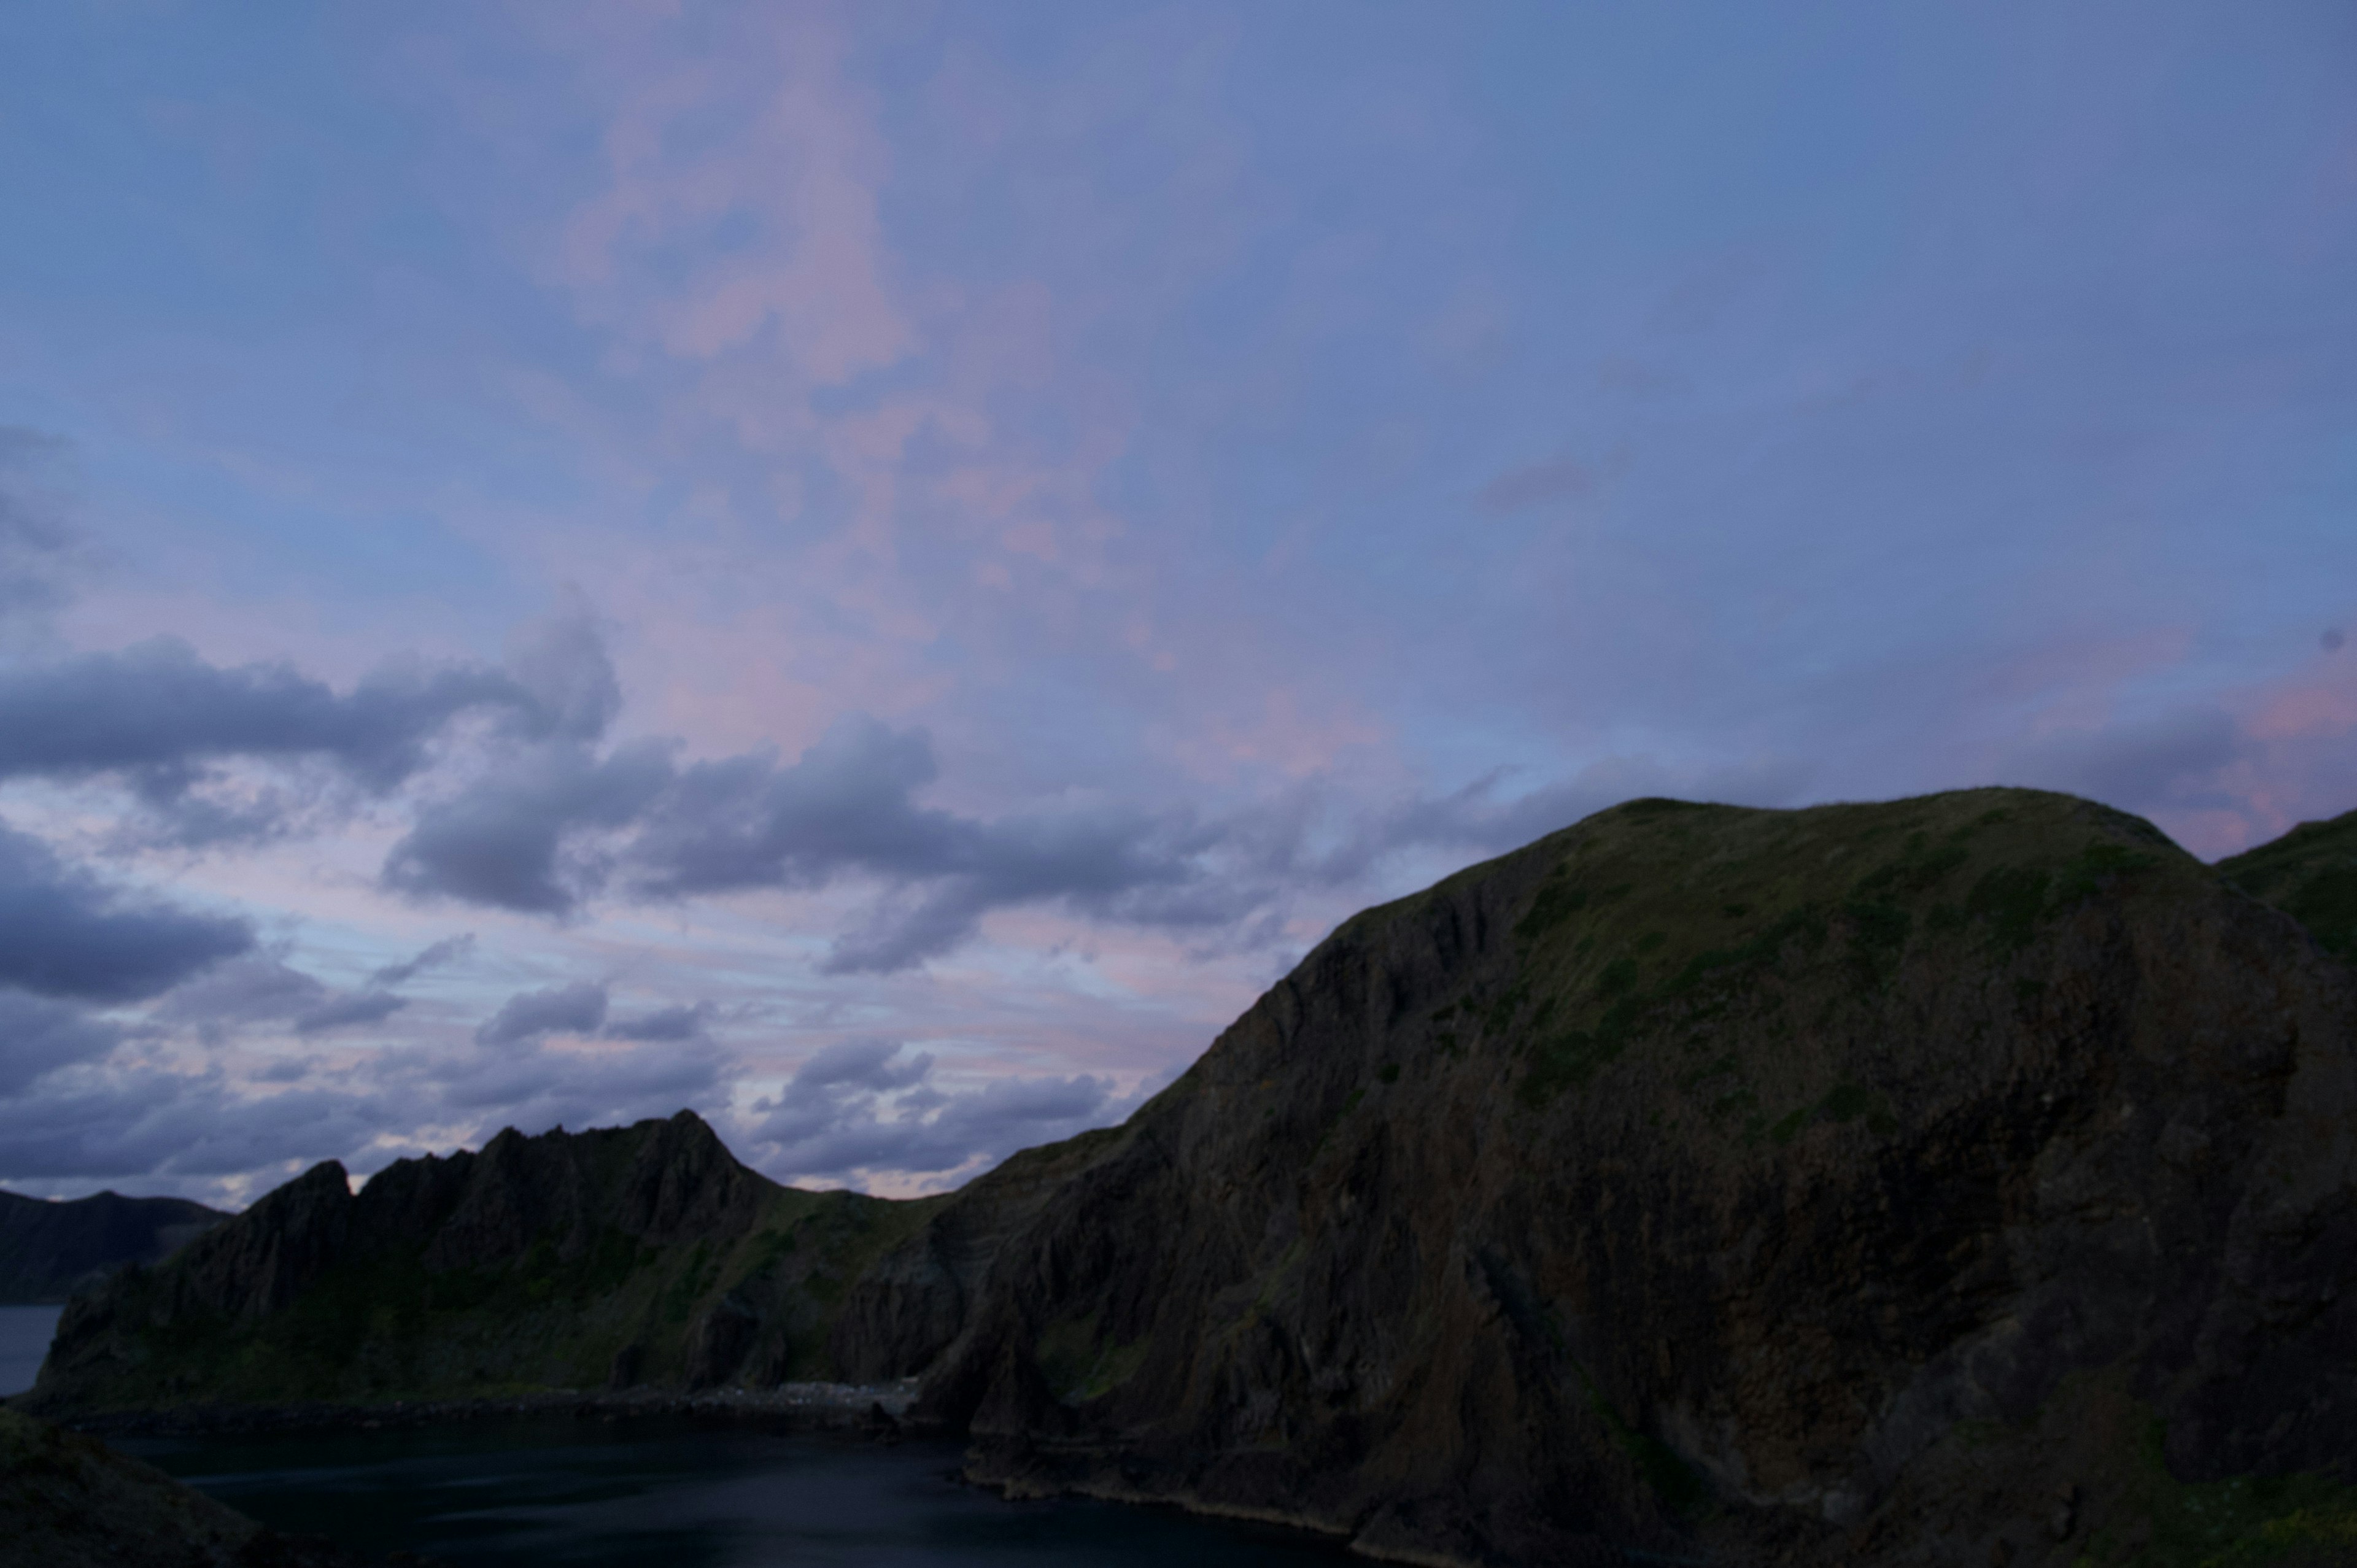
[(554, 829), (262, 988), (576, 1009), (2136, 763), (155, 1125), (215, 755), (351, 1010), (35, 544), (64, 933), (1564, 478), (159, 709), (684, 1022), (532, 1084), (450, 950), (560, 660), (832, 1122), (37, 1037), (521, 838), (551, 830)]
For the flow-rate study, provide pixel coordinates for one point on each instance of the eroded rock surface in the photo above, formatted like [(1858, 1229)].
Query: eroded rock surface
[(47, 1251), (69, 1501), (616, 1258), (1735, 1186), (1957, 1180)]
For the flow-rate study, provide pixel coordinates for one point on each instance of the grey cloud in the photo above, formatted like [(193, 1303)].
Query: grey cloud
[(2194, 768), (35, 544), (549, 831), (662, 1025), (830, 1122), (450, 950), (159, 707), (872, 1065), (37, 1037), (64, 933), (2170, 758), (576, 1009), (1563, 479), (262, 989), (560, 825), (745, 822), (149, 1123), (254, 988), (208, 1134), (532, 1086), (215, 755), (351, 1010), (517, 839), (562, 662)]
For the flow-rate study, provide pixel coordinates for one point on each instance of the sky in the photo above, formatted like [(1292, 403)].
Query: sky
[(880, 571)]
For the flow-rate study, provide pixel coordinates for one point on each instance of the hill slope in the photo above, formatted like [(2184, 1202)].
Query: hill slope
[(1928, 1182), (2311, 874), (572, 1259), (1963, 1179), (47, 1251), (69, 1501)]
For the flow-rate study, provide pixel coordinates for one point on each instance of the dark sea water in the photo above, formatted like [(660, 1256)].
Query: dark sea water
[(670, 1493), (24, 1339)]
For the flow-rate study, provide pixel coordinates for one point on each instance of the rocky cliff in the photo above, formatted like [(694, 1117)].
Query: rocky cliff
[(2310, 873), (69, 1501), (645, 1255), (47, 1251), (1958, 1180)]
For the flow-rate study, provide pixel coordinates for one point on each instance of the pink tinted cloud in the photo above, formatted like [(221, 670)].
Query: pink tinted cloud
[(797, 171)]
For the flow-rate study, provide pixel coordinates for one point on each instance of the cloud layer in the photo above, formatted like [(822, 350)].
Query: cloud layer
[(899, 577)]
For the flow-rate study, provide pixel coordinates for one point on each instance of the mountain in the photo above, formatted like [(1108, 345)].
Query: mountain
[(2311, 874), (69, 1501), (50, 1250), (1954, 1180), (571, 1260), (1933, 1182)]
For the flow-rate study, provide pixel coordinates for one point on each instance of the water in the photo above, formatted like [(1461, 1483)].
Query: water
[(25, 1333), (666, 1492)]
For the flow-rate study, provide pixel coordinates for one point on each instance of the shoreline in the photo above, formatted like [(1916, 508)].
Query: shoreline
[(878, 1409)]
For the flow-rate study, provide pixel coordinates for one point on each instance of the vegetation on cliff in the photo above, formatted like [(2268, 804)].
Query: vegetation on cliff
[(1899, 1183), (47, 1251), (2310, 873), (1955, 1179), (569, 1261)]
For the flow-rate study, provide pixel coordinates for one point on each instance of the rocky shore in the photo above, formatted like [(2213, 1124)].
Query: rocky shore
[(874, 1409)]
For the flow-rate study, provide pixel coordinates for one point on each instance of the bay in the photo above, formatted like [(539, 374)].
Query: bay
[(24, 1334), (606, 1494)]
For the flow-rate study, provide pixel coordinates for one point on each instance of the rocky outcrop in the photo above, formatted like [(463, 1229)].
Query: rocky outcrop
[(47, 1251), (69, 1501), (609, 1258), (1957, 1180), (1965, 1179)]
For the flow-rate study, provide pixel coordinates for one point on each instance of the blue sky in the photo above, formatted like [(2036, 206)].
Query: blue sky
[(878, 571)]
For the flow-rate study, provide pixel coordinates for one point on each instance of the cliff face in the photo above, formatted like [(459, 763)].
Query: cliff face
[(608, 1258), (1965, 1179), (1932, 1182), (67, 1501), (47, 1251), (2310, 873)]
